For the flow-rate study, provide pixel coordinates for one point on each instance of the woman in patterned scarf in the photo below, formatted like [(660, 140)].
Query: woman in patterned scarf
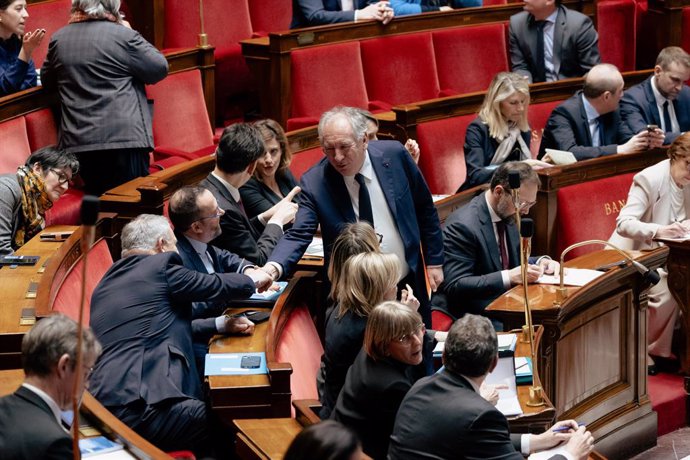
[(27, 195)]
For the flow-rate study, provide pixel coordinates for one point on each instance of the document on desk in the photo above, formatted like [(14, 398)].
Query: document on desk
[(573, 277), (504, 373), (548, 453), (315, 249)]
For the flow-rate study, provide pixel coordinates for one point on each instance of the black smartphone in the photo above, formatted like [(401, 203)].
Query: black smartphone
[(250, 362), (651, 128), (18, 260)]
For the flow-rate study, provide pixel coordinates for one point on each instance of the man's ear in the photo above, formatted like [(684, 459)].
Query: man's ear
[(494, 363), (252, 167), (160, 245), (63, 365)]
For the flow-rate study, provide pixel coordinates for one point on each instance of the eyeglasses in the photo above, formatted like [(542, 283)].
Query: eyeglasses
[(218, 212), (407, 338), (62, 177), (380, 237)]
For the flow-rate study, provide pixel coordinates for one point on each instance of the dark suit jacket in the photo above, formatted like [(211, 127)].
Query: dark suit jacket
[(442, 417), (575, 44), (479, 149), (472, 271), (245, 237), (99, 68), (204, 313), (638, 109), (307, 13), (567, 129), (324, 200), (29, 430), (257, 197), (141, 313)]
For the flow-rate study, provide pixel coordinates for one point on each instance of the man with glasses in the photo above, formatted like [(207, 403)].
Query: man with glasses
[(195, 214), (239, 149), (482, 246), (31, 425)]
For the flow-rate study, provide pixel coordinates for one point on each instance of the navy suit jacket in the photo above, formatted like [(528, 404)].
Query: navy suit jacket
[(307, 13), (638, 109), (141, 313), (204, 313), (567, 129), (324, 200), (472, 269), (442, 417), (29, 430), (575, 44), (245, 237)]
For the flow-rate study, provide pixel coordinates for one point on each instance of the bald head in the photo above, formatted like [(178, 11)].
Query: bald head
[(602, 78)]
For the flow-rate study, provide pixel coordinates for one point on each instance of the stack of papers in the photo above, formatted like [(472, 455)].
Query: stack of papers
[(572, 277), (99, 445), (315, 248)]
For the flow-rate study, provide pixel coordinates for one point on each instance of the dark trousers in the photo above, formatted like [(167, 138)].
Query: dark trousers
[(102, 170)]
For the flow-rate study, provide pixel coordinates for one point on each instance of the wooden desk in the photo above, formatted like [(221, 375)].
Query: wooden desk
[(593, 355), (13, 292)]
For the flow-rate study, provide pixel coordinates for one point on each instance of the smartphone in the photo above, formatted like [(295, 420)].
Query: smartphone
[(18, 260), (651, 128), (256, 316), (250, 362)]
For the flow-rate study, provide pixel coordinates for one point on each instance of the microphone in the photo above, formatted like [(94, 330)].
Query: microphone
[(648, 274)]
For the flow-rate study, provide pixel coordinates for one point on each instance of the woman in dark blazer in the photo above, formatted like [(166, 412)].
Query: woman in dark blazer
[(272, 179), (385, 369), (501, 132)]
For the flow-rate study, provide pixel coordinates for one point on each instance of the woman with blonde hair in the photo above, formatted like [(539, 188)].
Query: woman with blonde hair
[(501, 132), (356, 238), (272, 180), (366, 280)]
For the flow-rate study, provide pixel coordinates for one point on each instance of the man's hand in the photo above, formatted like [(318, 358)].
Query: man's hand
[(284, 211), (550, 438), (407, 297), (549, 266), (490, 392), (271, 271), (261, 279), (656, 138), (533, 274), (637, 143), (435, 275), (413, 148), (674, 230), (238, 325), (380, 11), (580, 444)]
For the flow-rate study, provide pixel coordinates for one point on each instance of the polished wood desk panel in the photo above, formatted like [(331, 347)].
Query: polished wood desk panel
[(98, 417), (593, 354), (14, 284)]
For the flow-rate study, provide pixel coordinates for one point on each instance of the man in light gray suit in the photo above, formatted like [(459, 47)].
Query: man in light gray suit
[(99, 67), (549, 42)]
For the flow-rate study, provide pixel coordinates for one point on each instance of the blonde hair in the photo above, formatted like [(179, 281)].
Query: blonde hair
[(366, 278), (503, 86), (389, 321), (356, 238)]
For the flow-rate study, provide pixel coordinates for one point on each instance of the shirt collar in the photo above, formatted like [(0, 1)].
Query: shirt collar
[(54, 408), (198, 246), (589, 109), (660, 99), (552, 17), (494, 217), (234, 192), (367, 169)]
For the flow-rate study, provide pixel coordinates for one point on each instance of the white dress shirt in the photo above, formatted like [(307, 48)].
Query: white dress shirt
[(675, 127)]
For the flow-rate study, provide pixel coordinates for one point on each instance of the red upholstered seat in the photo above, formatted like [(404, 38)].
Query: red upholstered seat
[(440, 321), (226, 22), (537, 116), (300, 346), (589, 210), (181, 127), (51, 16), (14, 147), (467, 58), (616, 27), (686, 29), (443, 160), (66, 210), (41, 129), (270, 15), (302, 161), (69, 292), (318, 82), (399, 69)]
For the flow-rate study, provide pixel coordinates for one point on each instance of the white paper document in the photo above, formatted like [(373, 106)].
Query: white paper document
[(315, 248), (504, 373), (573, 277), (548, 453)]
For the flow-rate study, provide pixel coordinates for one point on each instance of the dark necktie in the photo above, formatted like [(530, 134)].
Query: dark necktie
[(540, 71), (501, 229), (599, 132), (668, 126), (239, 203), (365, 212)]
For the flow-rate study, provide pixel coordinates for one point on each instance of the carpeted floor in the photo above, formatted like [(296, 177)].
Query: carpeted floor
[(671, 446)]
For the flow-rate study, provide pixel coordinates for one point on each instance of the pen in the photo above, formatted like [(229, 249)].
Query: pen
[(521, 366), (563, 429)]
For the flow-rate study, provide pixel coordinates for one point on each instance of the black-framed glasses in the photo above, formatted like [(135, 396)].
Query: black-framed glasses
[(380, 237), (62, 177)]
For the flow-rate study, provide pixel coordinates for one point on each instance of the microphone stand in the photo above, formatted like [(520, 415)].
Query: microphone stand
[(203, 38), (514, 183)]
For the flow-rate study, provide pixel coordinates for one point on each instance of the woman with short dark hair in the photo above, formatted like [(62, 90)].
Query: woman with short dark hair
[(27, 195)]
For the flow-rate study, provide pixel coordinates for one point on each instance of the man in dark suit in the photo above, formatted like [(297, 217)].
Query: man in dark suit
[(375, 181), (481, 246), (663, 99), (550, 42), (195, 214), (30, 425), (589, 123), (240, 147), (141, 312), (307, 13), (444, 417)]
